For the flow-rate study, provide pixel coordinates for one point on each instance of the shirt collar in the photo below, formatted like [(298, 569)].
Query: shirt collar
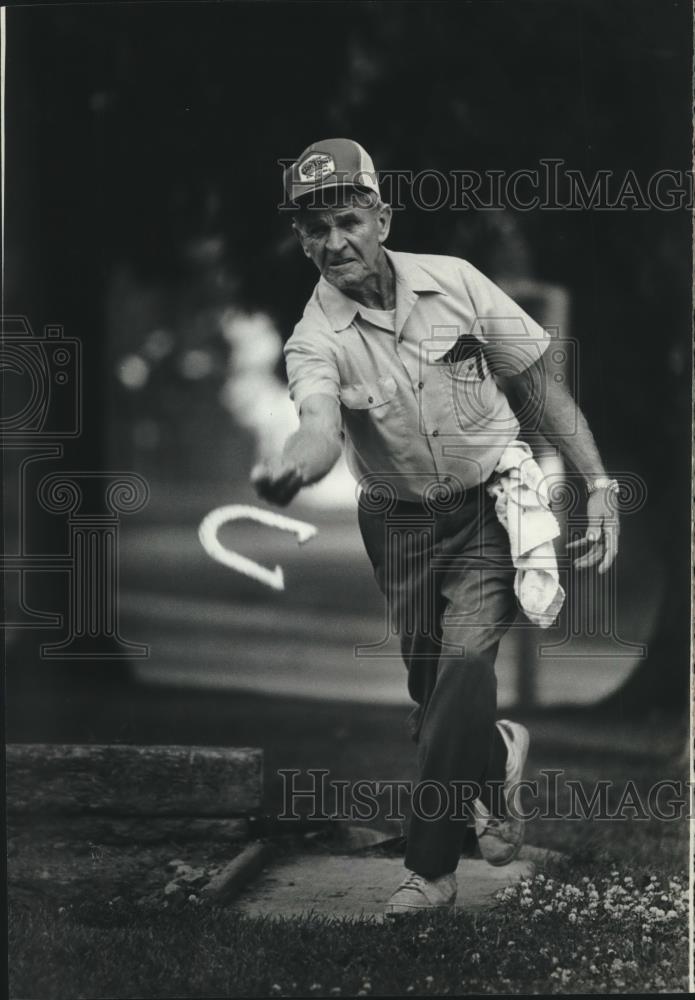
[(410, 278)]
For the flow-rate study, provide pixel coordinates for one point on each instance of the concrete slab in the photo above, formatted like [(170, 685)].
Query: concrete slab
[(342, 885)]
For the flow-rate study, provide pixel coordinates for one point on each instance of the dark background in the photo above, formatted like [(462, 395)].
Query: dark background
[(139, 135)]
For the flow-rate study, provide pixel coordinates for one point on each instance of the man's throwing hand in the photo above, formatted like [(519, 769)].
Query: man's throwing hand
[(601, 539), (277, 480)]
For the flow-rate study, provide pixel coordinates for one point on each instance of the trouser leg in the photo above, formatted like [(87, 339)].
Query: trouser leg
[(451, 616)]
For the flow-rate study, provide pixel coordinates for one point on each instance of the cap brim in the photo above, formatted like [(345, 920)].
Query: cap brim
[(300, 193)]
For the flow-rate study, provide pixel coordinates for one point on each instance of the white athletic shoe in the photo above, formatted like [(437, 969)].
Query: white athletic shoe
[(499, 839), (417, 893)]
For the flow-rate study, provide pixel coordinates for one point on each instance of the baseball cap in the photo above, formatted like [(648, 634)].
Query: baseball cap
[(330, 163)]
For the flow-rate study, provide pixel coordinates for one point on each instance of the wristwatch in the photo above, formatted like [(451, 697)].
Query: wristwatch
[(602, 483)]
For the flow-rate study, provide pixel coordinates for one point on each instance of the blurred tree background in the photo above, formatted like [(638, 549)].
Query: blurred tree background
[(143, 184)]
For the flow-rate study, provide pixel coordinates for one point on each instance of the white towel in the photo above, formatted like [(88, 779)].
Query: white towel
[(522, 507)]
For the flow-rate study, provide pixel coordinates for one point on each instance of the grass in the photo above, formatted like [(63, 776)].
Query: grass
[(184, 950), (610, 916), (530, 942)]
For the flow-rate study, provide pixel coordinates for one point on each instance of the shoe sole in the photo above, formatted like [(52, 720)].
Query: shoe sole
[(522, 740), (512, 857)]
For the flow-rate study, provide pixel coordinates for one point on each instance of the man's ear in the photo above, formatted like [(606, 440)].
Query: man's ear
[(384, 221), (300, 236)]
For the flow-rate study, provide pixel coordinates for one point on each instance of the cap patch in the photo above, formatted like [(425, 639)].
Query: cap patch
[(316, 167)]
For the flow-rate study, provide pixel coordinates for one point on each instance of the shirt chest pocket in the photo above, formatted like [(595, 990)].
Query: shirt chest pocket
[(369, 396), (470, 370), (469, 388)]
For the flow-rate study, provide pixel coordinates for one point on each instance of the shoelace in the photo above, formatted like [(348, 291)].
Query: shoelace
[(494, 823), (413, 881), (499, 827)]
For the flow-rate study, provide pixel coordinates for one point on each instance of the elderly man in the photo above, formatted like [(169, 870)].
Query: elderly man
[(420, 364)]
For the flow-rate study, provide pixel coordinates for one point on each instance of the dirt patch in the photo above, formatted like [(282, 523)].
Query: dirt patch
[(109, 879)]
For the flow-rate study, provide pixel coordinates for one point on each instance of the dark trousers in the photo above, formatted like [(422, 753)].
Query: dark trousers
[(451, 611)]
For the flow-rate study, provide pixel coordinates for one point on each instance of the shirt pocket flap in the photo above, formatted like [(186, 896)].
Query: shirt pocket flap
[(368, 395), (472, 369)]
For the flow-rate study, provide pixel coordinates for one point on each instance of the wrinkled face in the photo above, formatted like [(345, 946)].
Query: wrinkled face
[(344, 241)]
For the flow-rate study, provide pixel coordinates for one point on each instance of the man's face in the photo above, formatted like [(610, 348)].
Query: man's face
[(344, 241)]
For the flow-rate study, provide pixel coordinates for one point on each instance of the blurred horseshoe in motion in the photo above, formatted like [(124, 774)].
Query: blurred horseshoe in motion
[(212, 522)]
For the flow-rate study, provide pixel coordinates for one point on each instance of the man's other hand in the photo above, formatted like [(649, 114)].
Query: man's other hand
[(601, 540), (277, 480)]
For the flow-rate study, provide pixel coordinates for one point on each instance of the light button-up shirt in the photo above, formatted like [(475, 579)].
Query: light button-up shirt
[(419, 404)]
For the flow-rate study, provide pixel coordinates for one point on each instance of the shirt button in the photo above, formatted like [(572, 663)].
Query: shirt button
[(435, 434), (421, 385), (371, 399), (400, 339)]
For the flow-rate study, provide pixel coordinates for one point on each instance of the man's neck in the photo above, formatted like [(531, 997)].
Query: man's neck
[(379, 289)]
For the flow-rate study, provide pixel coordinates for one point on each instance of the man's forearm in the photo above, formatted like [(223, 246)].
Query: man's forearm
[(313, 450), (309, 454), (537, 399), (563, 422), (555, 414)]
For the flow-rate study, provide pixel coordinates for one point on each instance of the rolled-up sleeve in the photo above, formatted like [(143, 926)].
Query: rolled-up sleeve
[(512, 340), (311, 367)]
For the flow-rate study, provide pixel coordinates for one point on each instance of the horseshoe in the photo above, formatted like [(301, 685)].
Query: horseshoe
[(212, 522)]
